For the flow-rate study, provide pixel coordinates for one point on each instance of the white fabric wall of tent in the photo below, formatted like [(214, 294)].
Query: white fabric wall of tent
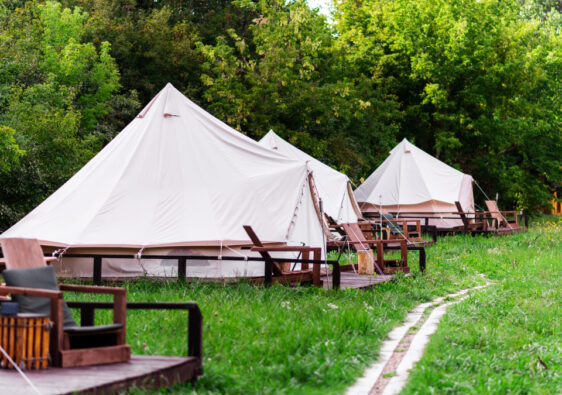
[(178, 181), (411, 181), (333, 187)]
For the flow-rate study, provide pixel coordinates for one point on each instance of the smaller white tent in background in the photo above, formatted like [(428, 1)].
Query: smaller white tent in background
[(334, 188), (411, 180)]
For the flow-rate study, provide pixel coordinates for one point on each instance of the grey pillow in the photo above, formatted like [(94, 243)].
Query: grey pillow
[(40, 278), (394, 228)]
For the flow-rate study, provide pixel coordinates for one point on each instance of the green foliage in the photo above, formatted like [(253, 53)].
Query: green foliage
[(54, 89), (478, 85), (9, 149), (286, 75), (93, 73)]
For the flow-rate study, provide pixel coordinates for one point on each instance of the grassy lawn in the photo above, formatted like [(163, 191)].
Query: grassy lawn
[(507, 338), (307, 340)]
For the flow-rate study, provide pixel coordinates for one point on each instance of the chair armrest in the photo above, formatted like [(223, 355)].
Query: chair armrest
[(56, 303), (119, 300), (401, 241), (43, 293), (195, 317), (285, 249), (511, 213), (92, 289)]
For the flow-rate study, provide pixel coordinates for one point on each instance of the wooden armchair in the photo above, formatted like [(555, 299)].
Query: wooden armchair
[(278, 270), (36, 291), (33, 285), (504, 221), (474, 226), (355, 238)]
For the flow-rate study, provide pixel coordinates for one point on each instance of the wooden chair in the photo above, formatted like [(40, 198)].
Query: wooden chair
[(35, 288), (356, 239), (278, 270), (396, 229), (504, 221), (474, 226)]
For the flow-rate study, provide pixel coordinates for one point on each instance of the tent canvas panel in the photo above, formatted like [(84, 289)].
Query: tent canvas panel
[(333, 187)]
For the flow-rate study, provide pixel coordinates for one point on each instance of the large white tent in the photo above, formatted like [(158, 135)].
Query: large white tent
[(334, 188), (411, 180), (177, 180)]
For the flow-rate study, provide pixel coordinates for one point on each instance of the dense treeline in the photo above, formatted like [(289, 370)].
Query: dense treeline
[(475, 82)]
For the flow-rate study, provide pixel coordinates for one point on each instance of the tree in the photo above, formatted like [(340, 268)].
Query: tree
[(474, 80), (54, 88), (286, 75)]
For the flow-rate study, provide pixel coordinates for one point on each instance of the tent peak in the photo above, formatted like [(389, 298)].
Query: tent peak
[(170, 95), (170, 86)]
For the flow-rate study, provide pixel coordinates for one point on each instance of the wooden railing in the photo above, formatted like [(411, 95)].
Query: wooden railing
[(97, 260)]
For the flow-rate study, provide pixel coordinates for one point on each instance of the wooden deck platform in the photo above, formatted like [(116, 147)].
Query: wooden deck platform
[(353, 280), (143, 371)]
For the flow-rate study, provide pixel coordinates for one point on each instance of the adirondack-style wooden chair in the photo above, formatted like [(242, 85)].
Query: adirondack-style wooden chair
[(276, 269), (504, 221), (33, 286), (473, 226), (355, 238)]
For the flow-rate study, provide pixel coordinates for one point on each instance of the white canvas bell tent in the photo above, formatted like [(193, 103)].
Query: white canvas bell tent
[(178, 180), (334, 188), (411, 180)]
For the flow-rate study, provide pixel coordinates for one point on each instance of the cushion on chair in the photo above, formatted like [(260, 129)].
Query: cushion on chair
[(394, 228), (40, 278), (93, 329)]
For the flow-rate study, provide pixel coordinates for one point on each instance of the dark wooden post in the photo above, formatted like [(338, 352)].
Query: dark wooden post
[(120, 314), (434, 233), (57, 335), (336, 276), (195, 327), (268, 272), (379, 262), (97, 270), (422, 259), (87, 316), (404, 253), (305, 257), (182, 268), (316, 280)]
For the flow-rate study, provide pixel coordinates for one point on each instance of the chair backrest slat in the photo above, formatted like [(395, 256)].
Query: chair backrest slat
[(492, 206), (356, 236), (265, 255), (22, 253), (462, 214), (360, 243)]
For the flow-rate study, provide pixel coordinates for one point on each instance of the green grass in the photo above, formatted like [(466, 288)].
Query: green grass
[(308, 340), (494, 341)]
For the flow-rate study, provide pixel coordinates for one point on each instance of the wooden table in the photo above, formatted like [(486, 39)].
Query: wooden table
[(25, 337)]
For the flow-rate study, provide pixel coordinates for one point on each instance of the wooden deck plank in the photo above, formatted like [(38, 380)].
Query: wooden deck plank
[(142, 371), (353, 280)]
